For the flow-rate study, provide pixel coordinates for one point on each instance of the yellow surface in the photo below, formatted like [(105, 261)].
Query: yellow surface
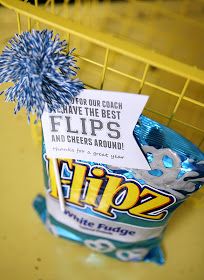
[(110, 61), (28, 251)]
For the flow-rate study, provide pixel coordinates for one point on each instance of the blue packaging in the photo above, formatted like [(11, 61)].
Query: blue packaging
[(123, 213)]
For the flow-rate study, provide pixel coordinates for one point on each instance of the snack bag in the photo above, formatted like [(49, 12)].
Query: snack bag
[(121, 212)]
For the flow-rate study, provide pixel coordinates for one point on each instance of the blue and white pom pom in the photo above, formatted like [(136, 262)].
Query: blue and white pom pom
[(41, 70)]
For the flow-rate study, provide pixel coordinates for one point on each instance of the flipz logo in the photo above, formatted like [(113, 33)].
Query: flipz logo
[(108, 193)]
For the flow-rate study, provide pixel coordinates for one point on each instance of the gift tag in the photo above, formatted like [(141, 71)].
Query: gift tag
[(97, 126)]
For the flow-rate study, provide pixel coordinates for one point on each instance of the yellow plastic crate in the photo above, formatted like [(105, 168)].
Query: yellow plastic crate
[(135, 46)]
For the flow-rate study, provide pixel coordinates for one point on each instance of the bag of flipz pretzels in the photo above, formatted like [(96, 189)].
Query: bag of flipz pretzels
[(123, 213)]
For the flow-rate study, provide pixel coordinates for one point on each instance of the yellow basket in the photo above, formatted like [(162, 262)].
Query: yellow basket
[(135, 46), (114, 43)]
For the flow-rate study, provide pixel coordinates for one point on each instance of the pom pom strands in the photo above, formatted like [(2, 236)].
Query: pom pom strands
[(41, 70), (42, 73)]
